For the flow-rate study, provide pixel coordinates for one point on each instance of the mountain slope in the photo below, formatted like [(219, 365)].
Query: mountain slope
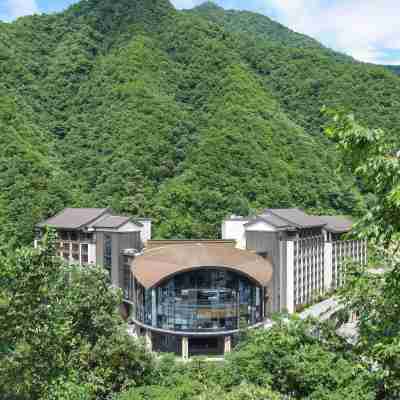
[(304, 75), (183, 116), (253, 24)]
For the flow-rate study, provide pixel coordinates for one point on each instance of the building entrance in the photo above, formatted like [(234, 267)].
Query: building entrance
[(206, 346)]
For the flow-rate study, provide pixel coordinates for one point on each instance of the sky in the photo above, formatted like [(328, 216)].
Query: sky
[(368, 30)]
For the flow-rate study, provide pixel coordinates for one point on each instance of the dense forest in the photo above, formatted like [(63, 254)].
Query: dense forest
[(186, 116), (182, 116), (62, 338)]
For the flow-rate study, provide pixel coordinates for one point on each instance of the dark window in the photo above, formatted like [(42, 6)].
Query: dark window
[(63, 235), (86, 237), (107, 251), (128, 287), (84, 254)]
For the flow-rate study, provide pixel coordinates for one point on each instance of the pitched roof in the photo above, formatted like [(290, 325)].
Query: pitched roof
[(271, 220), (111, 221), (337, 224), (296, 217), (74, 218)]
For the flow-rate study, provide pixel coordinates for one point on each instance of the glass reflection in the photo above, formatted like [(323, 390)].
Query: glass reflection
[(201, 300)]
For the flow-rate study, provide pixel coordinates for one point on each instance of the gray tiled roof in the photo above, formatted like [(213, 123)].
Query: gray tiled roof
[(337, 224), (112, 221), (296, 217), (74, 218), (269, 219)]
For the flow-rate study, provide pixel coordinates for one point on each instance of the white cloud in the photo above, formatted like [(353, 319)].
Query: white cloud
[(180, 4), (11, 9), (366, 29)]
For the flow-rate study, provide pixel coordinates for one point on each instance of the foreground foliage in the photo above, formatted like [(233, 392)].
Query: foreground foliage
[(375, 160), (291, 359), (61, 338), (60, 331)]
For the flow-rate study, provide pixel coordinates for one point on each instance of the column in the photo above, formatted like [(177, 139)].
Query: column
[(153, 307), (328, 266), (287, 288), (227, 344), (71, 260), (185, 347), (148, 341)]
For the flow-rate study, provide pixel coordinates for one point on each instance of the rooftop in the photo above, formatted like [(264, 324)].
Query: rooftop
[(163, 262), (98, 218), (74, 218), (337, 224), (112, 222), (294, 216)]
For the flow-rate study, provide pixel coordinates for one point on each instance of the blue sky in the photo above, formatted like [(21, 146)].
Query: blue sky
[(366, 29)]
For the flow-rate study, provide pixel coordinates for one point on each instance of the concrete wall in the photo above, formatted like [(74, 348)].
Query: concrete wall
[(260, 226), (234, 229), (145, 230), (120, 241), (268, 243)]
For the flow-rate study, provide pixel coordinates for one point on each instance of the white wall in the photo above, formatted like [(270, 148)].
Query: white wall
[(261, 226), (145, 231), (129, 227), (234, 229), (289, 277), (328, 266), (92, 253)]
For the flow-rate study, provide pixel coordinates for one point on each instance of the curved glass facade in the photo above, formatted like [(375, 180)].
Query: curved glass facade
[(201, 300)]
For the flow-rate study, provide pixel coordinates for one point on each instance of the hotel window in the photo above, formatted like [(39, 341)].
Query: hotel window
[(66, 251), (107, 251), (86, 237), (63, 235), (84, 254), (75, 248), (127, 277)]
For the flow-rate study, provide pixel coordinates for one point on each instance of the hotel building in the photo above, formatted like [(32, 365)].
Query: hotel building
[(195, 296), (308, 252)]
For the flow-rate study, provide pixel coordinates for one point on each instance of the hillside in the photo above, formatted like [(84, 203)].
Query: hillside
[(182, 116)]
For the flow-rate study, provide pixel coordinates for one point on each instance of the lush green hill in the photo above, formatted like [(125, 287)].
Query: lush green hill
[(256, 25), (304, 75), (183, 116)]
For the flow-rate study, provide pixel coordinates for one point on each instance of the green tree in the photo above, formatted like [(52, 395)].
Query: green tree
[(375, 297), (295, 360), (60, 328)]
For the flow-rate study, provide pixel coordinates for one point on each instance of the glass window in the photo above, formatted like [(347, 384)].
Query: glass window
[(201, 300), (63, 235), (107, 251), (86, 236), (84, 254)]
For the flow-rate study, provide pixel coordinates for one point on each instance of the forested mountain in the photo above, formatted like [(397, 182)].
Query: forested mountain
[(183, 116)]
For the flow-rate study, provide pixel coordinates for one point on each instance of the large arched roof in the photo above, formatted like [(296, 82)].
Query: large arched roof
[(157, 264)]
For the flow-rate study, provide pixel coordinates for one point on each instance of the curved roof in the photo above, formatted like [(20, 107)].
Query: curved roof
[(160, 263)]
